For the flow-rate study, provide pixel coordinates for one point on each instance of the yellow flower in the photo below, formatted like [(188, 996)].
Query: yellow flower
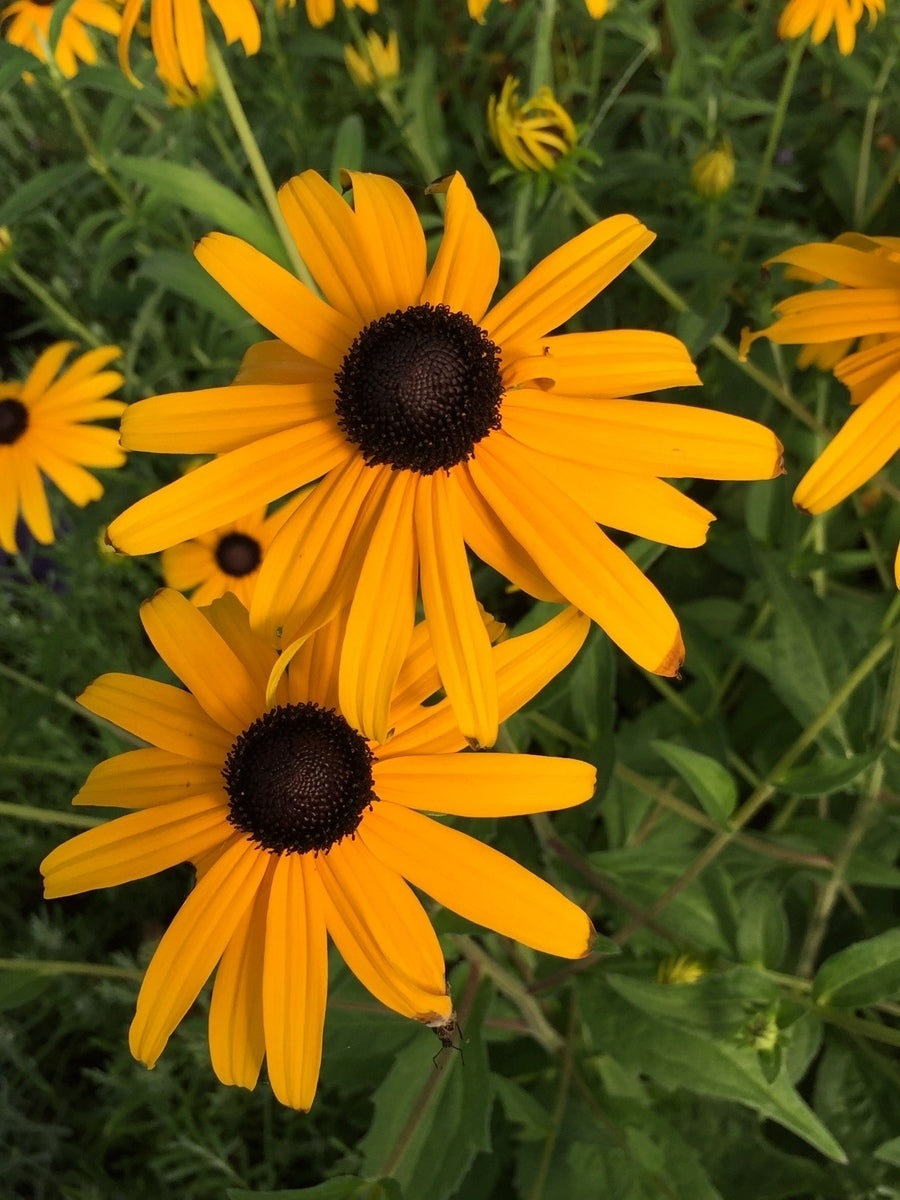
[(713, 171), (27, 24), (178, 36), (821, 16), (300, 829), (680, 969), (321, 12), (866, 305), (533, 136), (226, 559), (42, 430), (435, 420), (379, 62), (186, 95)]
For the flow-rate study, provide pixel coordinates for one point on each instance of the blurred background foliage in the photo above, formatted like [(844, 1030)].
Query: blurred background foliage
[(741, 851)]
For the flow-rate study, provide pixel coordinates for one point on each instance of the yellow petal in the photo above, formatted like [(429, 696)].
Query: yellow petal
[(193, 944), (868, 439), (643, 437), (190, 38), (477, 882), (277, 299), (214, 420), (392, 239), (846, 265), (273, 362), (610, 363), (591, 572), (382, 614), (313, 673), (390, 943), (236, 1038), (467, 266), (236, 483), (135, 846), (44, 371), (565, 281), (148, 778), (231, 621), (462, 648), (522, 666), (158, 713), (484, 785), (295, 981), (198, 656)]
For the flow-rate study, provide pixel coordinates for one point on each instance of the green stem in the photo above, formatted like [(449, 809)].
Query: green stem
[(765, 166), (769, 786), (541, 74), (885, 189), (865, 146), (53, 306), (235, 111), (513, 988), (47, 816), (866, 810), (563, 1087)]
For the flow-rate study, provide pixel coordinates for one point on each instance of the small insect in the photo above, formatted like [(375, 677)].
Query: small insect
[(448, 1034)]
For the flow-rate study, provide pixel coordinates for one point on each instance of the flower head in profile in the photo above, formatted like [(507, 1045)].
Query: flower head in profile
[(821, 16), (226, 559), (435, 420), (712, 172), (26, 23), (862, 302), (43, 430), (178, 37), (375, 62), (595, 8), (321, 12), (534, 135), (301, 830)]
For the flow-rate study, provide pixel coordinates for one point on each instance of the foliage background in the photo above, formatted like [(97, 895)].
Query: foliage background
[(748, 813)]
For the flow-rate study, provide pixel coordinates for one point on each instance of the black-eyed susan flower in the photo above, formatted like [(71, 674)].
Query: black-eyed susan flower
[(712, 172), (43, 430), (321, 12), (226, 559), (534, 135), (865, 304), (435, 421), (301, 830), (821, 16), (178, 36), (26, 23), (377, 62)]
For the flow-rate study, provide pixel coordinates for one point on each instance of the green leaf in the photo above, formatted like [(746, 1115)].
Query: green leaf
[(710, 782), (717, 1003), (60, 9), (889, 1152), (342, 1187), (431, 1121), (349, 147), (861, 974), (39, 188), (13, 61), (201, 194), (825, 775), (762, 930), (681, 1057)]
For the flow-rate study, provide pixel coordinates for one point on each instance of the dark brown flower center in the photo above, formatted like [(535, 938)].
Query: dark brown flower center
[(13, 421), (419, 388), (298, 779), (238, 554)]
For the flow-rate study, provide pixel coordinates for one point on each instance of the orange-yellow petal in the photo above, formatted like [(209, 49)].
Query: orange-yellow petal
[(148, 778), (467, 266)]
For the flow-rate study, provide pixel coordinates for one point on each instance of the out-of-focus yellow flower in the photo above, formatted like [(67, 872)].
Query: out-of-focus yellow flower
[(821, 16), (377, 62), (185, 95), (533, 136), (680, 969), (6, 241), (178, 36), (713, 171), (321, 12), (26, 23)]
